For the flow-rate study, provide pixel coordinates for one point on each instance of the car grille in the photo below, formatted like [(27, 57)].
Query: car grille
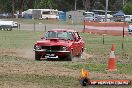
[(53, 48)]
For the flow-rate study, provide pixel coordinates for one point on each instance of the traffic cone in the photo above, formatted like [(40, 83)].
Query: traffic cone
[(85, 78), (111, 62), (85, 73)]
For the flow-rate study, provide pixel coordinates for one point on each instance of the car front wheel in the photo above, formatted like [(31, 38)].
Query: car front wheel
[(80, 54), (37, 56)]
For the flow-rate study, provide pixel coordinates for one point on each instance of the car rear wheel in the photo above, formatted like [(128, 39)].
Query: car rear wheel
[(9, 29), (80, 53), (37, 56)]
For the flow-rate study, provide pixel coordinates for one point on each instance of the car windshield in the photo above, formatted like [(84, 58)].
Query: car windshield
[(60, 35)]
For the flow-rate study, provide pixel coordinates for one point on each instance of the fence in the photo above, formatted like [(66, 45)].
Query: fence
[(46, 27), (112, 28)]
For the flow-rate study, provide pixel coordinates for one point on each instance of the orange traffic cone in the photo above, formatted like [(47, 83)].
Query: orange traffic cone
[(85, 73), (111, 62), (85, 78)]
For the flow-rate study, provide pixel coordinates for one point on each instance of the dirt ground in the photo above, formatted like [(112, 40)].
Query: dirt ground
[(48, 68)]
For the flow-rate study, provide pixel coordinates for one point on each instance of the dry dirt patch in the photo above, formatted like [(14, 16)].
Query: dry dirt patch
[(24, 53), (50, 70), (37, 69), (46, 69), (29, 54)]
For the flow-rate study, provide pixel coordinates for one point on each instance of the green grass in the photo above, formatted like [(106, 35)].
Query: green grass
[(38, 79), (42, 80), (122, 68), (94, 45), (37, 21), (18, 39), (54, 81)]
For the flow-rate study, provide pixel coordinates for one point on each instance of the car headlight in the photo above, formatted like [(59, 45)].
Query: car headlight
[(64, 48), (37, 47)]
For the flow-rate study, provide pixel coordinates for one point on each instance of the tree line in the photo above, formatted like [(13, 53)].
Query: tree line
[(11, 6)]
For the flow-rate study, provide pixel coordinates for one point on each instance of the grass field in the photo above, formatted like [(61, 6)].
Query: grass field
[(18, 69), (60, 22)]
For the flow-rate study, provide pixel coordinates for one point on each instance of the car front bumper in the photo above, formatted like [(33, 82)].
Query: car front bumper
[(52, 54), (42, 50)]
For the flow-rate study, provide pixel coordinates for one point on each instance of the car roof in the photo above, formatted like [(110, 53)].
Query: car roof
[(61, 30)]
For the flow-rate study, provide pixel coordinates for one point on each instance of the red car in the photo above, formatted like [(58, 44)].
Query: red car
[(59, 44)]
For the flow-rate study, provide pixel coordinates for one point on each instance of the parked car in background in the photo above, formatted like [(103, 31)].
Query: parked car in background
[(8, 25), (130, 29), (59, 44), (6, 15)]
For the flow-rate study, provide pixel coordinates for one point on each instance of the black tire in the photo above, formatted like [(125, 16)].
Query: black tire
[(80, 53), (9, 29), (4, 29), (46, 18), (37, 56), (85, 82), (70, 56)]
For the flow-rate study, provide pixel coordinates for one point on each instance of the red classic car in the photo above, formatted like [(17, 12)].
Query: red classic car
[(59, 44)]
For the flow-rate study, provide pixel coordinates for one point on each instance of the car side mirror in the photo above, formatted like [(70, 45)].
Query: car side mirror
[(80, 38), (76, 39)]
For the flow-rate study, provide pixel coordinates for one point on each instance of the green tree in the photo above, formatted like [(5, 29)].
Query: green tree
[(63, 5), (99, 6), (128, 8), (88, 4), (11, 6), (5, 6), (43, 4)]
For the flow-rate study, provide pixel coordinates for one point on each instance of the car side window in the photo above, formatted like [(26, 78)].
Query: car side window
[(62, 35), (70, 36), (50, 35)]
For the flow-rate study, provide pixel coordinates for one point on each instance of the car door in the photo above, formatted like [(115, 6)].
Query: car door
[(80, 43), (74, 45), (77, 43)]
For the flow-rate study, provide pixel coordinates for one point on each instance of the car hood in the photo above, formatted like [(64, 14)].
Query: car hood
[(54, 42)]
